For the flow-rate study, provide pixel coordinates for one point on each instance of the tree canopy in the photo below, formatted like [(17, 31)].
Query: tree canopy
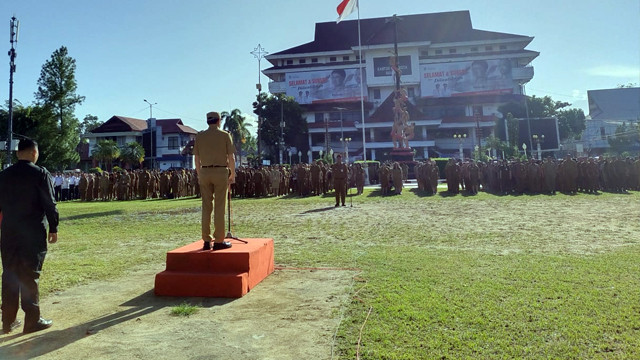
[(571, 121), (56, 95), (273, 108)]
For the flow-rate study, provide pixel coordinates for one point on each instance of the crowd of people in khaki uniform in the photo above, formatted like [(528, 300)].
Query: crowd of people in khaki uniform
[(568, 175), (138, 184), (301, 179)]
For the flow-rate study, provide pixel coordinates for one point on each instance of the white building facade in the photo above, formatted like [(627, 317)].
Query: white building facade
[(455, 77)]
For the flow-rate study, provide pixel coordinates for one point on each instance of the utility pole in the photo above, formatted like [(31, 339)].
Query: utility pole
[(14, 27)]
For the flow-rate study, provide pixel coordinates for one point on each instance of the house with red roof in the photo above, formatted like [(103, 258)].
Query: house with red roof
[(164, 140)]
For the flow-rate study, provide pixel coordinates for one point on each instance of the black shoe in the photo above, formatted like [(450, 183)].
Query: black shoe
[(337, 205), (40, 325), (343, 205), (7, 328), (221, 245), (207, 245)]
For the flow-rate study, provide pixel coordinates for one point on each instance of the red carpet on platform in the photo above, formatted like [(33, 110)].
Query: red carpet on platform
[(228, 273)]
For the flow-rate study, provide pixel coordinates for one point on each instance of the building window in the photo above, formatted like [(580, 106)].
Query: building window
[(319, 117), (333, 59), (411, 93), (452, 51), (503, 47), (439, 52), (345, 58), (424, 53), (376, 94), (173, 143), (314, 60), (302, 61), (488, 48), (603, 133), (289, 62), (474, 49)]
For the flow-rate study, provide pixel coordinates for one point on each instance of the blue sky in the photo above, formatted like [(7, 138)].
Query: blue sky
[(193, 56)]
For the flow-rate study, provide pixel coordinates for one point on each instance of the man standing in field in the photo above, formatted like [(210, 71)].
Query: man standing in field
[(216, 168), (26, 199)]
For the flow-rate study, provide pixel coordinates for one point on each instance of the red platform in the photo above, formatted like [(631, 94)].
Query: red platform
[(228, 273)]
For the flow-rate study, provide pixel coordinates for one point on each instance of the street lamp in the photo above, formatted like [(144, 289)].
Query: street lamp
[(310, 156), (321, 152), (538, 139), (346, 141), (524, 148), (341, 126), (151, 127), (259, 52), (461, 138), (299, 156)]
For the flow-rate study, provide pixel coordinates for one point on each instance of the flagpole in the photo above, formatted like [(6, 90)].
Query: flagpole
[(362, 79)]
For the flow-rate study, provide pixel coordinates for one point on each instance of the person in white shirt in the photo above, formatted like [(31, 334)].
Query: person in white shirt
[(57, 185), (65, 187)]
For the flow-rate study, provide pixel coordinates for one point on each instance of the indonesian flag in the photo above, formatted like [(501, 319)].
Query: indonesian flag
[(345, 8)]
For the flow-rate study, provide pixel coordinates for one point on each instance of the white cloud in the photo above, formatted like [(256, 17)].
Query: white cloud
[(618, 71), (578, 95)]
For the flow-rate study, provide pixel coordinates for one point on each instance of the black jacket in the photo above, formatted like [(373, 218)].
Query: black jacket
[(26, 200)]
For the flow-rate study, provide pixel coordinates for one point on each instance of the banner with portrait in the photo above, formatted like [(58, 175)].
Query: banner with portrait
[(466, 78), (338, 85)]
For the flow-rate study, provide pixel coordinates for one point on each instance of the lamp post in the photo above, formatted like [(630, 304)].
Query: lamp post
[(310, 156), (461, 138), (331, 154), (299, 156), (151, 127), (524, 148), (538, 139), (346, 141), (321, 152), (259, 52)]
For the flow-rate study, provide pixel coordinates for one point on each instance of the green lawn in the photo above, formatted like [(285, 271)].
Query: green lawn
[(444, 277)]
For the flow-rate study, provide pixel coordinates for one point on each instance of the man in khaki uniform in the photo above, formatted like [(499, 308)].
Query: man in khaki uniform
[(340, 173), (215, 165)]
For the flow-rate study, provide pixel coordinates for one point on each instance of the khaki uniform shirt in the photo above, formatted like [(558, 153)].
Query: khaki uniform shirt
[(213, 146)]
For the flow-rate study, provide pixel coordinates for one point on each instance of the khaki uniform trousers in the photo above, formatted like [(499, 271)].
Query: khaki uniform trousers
[(213, 186), (340, 186)]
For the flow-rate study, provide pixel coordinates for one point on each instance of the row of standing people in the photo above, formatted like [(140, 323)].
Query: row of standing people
[(137, 184), (567, 175), (317, 178)]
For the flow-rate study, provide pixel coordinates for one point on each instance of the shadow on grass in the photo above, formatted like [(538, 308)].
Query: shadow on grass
[(93, 215), (312, 211), (52, 340), (447, 193), (421, 193)]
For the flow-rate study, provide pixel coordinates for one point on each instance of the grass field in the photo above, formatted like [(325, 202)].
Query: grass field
[(449, 277)]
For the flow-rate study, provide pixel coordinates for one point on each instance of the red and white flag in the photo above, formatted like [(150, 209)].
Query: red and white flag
[(345, 8)]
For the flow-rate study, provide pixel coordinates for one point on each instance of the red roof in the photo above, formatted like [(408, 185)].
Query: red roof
[(126, 124), (174, 126)]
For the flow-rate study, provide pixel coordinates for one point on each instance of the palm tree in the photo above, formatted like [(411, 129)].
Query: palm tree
[(235, 124), (107, 151), (132, 154)]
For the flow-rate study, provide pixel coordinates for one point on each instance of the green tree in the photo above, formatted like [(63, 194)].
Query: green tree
[(57, 95), (571, 123), (271, 108), (105, 152), (627, 135), (132, 154), (235, 124), (89, 123)]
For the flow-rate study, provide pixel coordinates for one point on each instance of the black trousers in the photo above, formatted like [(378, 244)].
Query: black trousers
[(20, 276), (57, 192)]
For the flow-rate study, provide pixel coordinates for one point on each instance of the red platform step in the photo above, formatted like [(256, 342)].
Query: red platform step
[(228, 273)]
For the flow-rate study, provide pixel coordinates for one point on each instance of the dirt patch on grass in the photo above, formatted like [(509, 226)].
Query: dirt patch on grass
[(292, 314)]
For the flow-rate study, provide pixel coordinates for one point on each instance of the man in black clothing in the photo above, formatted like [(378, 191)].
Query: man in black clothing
[(26, 199)]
